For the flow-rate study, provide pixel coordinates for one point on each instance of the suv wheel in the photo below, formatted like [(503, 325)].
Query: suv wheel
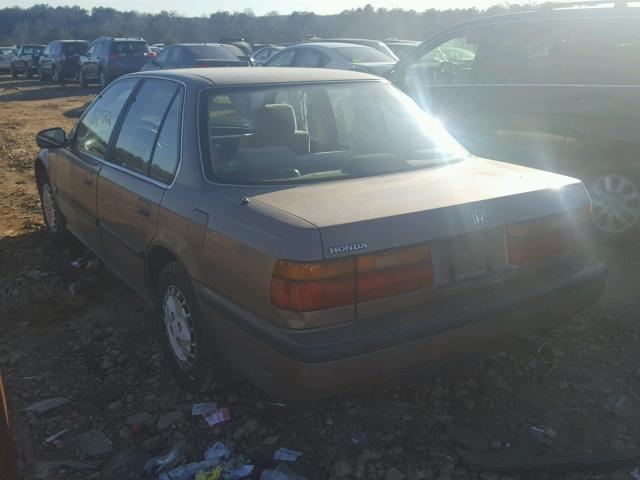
[(14, 72), (41, 75), (188, 350), (104, 81), (53, 218), (616, 206), (28, 71), (82, 79)]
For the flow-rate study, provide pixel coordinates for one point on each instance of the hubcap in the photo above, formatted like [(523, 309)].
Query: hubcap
[(179, 326), (49, 209), (616, 203)]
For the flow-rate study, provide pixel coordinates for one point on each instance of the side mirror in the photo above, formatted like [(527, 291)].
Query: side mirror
[(51, 138)]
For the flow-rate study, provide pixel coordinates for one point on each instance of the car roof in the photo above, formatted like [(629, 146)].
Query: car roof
[(347, 40), (71, 41), (260, 76), (207, 44), (553, 11), (31, 45), (329, 44)]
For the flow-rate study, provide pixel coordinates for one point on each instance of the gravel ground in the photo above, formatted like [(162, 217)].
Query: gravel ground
[(80, 334)]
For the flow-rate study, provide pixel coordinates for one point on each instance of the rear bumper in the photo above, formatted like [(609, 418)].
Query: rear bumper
[(305, 365)]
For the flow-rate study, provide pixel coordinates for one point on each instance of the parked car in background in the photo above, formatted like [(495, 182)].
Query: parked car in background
[(401, 48), (153, 51), (60, 60), (557, 89), (239, 53), (239, 42), (26, 60), (108, 58), (341, 56), (194, 55), (265, 53), (375, 44), (5, 58), (312, 229)]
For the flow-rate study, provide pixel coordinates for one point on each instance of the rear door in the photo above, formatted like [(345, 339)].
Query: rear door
[(141, 167), (76, 168), (493, 87), (47, 57)]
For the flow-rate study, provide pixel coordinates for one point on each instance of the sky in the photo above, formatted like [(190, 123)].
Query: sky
[(260, 7)]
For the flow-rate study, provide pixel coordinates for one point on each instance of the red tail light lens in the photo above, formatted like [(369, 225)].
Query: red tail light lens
[(546, 237), (392, 272), (304, 287)]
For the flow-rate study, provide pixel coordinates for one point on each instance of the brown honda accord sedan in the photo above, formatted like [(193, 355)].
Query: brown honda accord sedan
[(311, 229)]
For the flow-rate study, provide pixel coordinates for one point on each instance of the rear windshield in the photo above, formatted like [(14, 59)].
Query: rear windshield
[(75, 48), (318, 132), (128, 47), (235, 50), (363, 54), (32, 50), (211, 52)]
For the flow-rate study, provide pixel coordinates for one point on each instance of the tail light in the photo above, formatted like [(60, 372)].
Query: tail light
[(305, 287), (546, 237)]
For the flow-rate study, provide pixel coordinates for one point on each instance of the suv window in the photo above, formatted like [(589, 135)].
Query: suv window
[(126, 48), (139, 131), (95, 128), (74, 48), (167, 150)]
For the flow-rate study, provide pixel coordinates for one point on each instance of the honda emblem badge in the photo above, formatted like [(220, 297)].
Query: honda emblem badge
[(478, 217)]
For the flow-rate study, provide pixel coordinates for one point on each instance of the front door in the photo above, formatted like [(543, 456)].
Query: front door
[(131, 185), (76, 171)]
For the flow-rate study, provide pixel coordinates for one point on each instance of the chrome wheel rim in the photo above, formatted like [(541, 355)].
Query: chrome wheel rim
[(179, 327), (616, 203), (49, 209)]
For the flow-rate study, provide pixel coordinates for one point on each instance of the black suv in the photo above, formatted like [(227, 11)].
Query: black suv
[(60, 59), (26, 60), (108, 58), (557, 88)]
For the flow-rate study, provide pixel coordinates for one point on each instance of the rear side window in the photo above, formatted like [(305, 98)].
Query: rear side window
[(210, 52), (142, 123), (167, 149), (310, 58), (95, 128), (282, 59), (125, 48), (362, 55)]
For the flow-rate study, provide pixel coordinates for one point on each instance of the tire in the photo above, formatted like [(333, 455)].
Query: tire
[(14, 72), (28, 72), (82, 80), (192, 357), (615, 198), (53, 218), (104, 80), (41, 75)]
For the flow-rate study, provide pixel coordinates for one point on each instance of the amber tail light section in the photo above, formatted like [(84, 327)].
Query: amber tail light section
[(305, 287), (545, 237)]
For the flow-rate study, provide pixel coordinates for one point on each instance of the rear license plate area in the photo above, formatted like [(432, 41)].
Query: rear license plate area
[(465, 257)]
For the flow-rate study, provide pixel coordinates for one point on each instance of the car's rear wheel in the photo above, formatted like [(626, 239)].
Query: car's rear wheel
[(188, 349), (82, 79), (53, 218), (616, 206)]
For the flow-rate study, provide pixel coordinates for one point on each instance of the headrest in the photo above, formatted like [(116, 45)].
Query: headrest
[(276, 117)]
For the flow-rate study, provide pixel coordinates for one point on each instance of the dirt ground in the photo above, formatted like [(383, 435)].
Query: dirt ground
[(80, 334)]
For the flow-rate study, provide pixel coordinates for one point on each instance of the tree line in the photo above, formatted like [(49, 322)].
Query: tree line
[(43, 23)]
